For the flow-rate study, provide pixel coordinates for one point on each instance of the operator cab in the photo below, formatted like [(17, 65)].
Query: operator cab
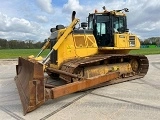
[(106, 24)]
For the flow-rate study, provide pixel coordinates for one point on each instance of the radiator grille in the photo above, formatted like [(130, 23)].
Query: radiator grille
[(132, 41)]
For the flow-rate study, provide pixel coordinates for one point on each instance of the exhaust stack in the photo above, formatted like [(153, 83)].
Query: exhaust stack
[(73, 15)]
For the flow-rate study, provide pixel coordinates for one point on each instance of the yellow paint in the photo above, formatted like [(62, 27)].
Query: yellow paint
[(70, 46), (122, 44), (124, 41), (69, 49), (83, 45), (65, 34), (32, 57), (93, 71), (39, 58)]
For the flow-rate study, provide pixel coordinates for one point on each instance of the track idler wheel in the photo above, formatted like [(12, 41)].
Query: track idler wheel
[(134, 64)]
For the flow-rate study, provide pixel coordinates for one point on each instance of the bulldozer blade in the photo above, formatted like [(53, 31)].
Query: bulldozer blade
[(30, 84)]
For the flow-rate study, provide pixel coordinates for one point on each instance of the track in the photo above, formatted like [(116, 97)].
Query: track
[(73, 66)]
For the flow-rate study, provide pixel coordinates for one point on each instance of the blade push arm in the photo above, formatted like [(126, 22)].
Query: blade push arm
[(60, 40), (68, 30)]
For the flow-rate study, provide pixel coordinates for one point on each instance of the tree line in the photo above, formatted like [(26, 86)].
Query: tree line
[(31, 44), (151, 41), (19, 44)]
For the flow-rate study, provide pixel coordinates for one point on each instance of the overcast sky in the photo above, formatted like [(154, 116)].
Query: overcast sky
[(32, 19)]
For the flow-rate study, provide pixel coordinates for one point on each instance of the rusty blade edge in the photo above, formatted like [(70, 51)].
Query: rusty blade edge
[(80, 85)]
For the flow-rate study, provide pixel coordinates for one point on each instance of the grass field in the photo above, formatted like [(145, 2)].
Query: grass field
[(15, 53), (146, 51)]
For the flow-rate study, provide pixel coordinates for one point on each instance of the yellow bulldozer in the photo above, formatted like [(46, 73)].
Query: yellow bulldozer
[(81, 57)]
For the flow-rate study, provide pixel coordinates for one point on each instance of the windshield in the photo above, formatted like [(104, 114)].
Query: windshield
[(101, 28), (102, 23), (119, 24)]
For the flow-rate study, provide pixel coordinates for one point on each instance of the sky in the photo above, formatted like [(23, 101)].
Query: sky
[(32, 19)]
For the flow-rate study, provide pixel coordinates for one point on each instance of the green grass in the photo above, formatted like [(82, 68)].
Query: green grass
[(146, 51), (15, 53)]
